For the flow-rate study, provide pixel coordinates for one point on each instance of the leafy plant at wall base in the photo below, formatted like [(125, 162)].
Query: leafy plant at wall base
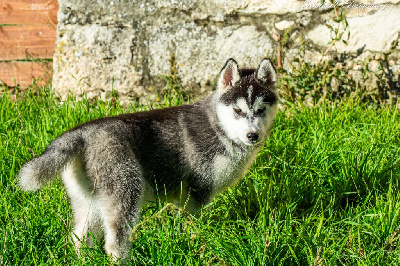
[(173, 92)]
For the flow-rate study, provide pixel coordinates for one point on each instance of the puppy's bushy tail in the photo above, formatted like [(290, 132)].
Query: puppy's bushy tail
[(42, 169)]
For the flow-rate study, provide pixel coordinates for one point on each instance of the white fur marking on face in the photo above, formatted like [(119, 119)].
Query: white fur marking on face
[(249, 93), (242, 104), (258, 103), (235, 128)]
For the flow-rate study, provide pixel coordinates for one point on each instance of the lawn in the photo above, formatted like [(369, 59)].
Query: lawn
[(323, 191)]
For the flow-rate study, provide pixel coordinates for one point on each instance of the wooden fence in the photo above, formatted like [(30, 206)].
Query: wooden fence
[(27, 39)]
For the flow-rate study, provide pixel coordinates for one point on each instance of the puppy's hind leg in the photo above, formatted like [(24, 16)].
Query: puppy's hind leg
[(119, 203), (85, 212), (86, 219)]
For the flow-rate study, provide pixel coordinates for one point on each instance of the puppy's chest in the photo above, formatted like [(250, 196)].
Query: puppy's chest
[(227, 170)]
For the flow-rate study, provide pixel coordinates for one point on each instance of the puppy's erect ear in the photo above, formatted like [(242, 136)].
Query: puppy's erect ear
[(229, 74), (266, 72)]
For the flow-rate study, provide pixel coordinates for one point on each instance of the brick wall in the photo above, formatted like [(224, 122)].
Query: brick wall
[(27, 38)]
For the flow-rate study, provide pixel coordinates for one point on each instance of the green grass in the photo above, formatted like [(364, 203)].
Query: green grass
[(323, 191)]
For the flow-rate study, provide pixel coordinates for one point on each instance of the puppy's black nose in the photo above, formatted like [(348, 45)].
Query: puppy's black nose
[(253, 137)]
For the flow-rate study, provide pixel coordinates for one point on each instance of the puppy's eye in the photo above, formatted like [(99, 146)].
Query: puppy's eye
[(260, 111), (239, 112)]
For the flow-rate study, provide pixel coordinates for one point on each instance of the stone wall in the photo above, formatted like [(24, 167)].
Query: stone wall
[(126, 45)]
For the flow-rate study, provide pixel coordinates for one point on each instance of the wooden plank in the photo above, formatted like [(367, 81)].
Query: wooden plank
[(23, 73), (26, 42), (28, 11)]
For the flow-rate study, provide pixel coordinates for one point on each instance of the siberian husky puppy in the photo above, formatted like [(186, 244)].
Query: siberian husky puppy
[(111, 166)]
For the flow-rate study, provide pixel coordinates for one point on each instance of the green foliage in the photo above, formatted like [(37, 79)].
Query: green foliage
[(173, 92), (323, 190)]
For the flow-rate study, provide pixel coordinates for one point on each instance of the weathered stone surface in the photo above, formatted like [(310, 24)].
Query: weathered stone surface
[(126, 45), (284, 24), (94, 58), (200, 52), (374, 32)]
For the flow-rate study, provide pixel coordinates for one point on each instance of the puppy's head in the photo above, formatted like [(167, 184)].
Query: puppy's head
[(247, 101)]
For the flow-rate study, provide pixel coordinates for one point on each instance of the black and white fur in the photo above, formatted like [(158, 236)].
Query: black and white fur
[(111, 166)]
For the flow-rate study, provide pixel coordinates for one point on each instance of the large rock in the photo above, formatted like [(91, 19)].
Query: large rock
[(127, 45)]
